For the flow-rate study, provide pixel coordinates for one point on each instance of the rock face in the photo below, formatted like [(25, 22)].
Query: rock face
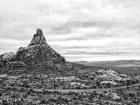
[(38, 52)]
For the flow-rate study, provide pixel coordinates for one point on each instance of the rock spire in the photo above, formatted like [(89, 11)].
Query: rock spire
[(39, 52), (38, 38)]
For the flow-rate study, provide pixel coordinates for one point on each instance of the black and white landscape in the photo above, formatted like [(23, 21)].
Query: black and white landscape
[(70, 52)]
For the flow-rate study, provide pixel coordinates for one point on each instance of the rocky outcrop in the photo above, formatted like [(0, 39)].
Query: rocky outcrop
[(39, 52)]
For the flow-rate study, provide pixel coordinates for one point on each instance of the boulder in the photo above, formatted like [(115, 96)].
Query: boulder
[(38, 38)]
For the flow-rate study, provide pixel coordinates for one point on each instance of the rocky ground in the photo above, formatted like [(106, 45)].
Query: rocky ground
[(36, 89)]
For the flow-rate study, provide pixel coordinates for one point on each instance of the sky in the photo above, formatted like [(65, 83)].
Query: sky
[(80, 30)]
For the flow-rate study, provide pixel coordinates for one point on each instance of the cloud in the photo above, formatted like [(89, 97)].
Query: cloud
[(95, 27)]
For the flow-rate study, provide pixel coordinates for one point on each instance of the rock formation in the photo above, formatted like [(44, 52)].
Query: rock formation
[(39, 52), (38, 38)]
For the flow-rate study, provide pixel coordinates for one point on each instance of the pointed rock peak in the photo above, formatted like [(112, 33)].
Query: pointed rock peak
[(38, 38), (39, 32)]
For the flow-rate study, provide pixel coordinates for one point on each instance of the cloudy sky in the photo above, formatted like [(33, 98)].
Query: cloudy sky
[(87, 30)]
